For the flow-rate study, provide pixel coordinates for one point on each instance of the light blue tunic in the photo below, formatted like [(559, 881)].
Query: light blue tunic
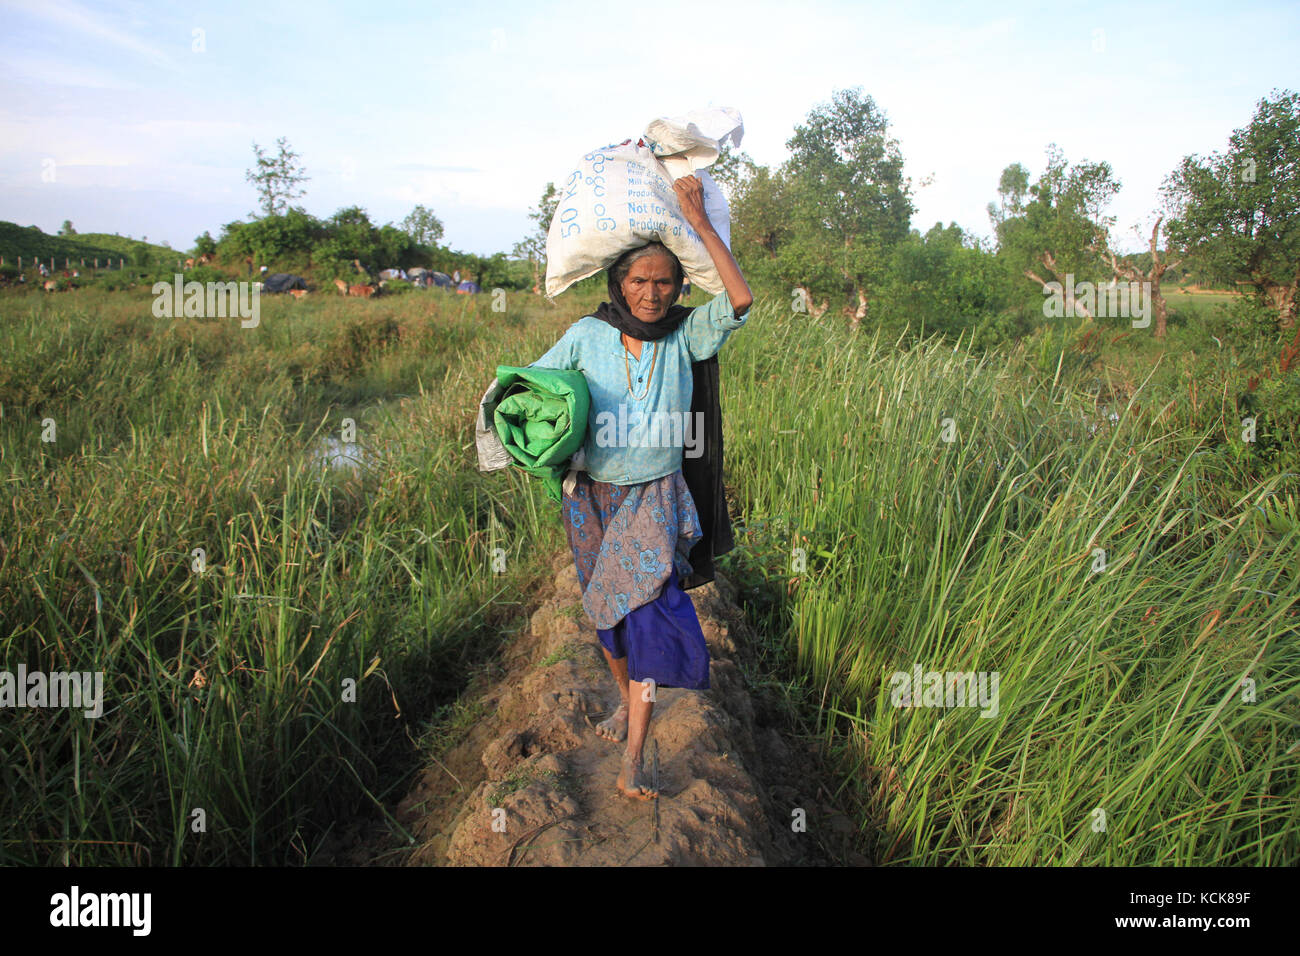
[(630, 438)]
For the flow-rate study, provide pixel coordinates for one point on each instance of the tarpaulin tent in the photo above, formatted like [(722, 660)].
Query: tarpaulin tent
[(468, 288), (282, 282), (421, 277)]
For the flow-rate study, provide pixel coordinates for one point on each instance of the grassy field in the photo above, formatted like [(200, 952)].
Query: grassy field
[(1118, 557), (1077, 514), (29, 243), (225, 687)]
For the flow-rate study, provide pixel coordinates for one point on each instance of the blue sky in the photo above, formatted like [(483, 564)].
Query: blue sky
[(123, 118)]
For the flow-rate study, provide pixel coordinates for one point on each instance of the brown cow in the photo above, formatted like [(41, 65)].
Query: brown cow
[(297, 293), (51, 285), (189, 263), (205, 258), (341, 286), (362, 291)]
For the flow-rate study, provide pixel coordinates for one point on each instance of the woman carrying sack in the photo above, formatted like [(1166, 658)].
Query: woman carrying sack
[(631, 520)]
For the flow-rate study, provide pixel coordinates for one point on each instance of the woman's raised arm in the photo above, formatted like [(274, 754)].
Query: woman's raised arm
[(690, 196)]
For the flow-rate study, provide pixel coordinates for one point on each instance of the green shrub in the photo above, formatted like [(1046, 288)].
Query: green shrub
[(1277, 407), (1244, 324)]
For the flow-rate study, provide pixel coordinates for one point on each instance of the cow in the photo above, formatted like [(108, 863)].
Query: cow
[(297, 293), (51, 285), (341, 286), (189, 263), (205, 258), (362, 291)]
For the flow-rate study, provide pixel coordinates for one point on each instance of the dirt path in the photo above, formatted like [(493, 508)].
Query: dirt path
[(532, 784)]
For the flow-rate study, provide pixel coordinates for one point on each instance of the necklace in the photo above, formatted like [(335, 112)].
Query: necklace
[(654, 357)]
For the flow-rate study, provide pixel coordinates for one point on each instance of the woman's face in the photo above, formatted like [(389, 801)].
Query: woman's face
[(649, 287)]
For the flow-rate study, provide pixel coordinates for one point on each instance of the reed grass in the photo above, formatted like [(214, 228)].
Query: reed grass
[(1121, 690), (229, 734), (1125, 685)]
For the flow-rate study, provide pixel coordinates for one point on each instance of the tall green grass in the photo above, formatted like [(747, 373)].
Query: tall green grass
[(229, 733), (1121, 688), (1125, 579)]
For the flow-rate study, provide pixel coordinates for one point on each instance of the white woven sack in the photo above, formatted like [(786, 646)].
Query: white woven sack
[(696, 138), (621, 197)]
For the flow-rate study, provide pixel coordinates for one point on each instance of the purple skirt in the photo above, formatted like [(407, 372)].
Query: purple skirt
[(630, 544)]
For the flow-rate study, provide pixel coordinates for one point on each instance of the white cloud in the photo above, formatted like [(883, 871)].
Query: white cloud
[(74, 17), (61, 73)]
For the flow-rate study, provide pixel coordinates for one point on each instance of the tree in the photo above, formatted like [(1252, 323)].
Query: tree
[(492, 270), (395, 247), (851, 204), (956, 286), (66, 229), (1237, 214), (276, 178), (205, 245), (1013, 187), (1151, 272), (424, 228), (533, 246), (731, 169), (763, 237), (1059, 230), (349, 235), (271, 238)]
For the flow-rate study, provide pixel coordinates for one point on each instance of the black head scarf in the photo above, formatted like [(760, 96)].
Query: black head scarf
[(703, 474), (617, 313)]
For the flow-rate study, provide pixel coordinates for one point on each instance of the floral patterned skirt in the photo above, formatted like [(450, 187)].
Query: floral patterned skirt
[(630, 545)]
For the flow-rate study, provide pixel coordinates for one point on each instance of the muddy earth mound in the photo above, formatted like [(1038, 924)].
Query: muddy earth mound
[(531, 783)]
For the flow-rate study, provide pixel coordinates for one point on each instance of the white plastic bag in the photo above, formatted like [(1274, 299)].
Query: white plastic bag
[(621, 197), (693, 141)]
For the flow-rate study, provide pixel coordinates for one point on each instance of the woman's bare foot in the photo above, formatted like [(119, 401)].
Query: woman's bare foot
[(632, 781), (615, 728)]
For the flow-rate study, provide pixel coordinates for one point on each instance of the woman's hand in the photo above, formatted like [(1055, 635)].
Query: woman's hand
[(690, 196)]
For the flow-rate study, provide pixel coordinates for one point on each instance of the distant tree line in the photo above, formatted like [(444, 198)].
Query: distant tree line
[(830, 227), (295, 239), (287, 237)]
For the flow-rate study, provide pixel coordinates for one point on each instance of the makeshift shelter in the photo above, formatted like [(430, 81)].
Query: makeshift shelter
[(468, 288), (282, 282)]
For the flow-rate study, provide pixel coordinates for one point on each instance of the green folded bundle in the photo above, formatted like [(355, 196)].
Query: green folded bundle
[(541, 419)]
